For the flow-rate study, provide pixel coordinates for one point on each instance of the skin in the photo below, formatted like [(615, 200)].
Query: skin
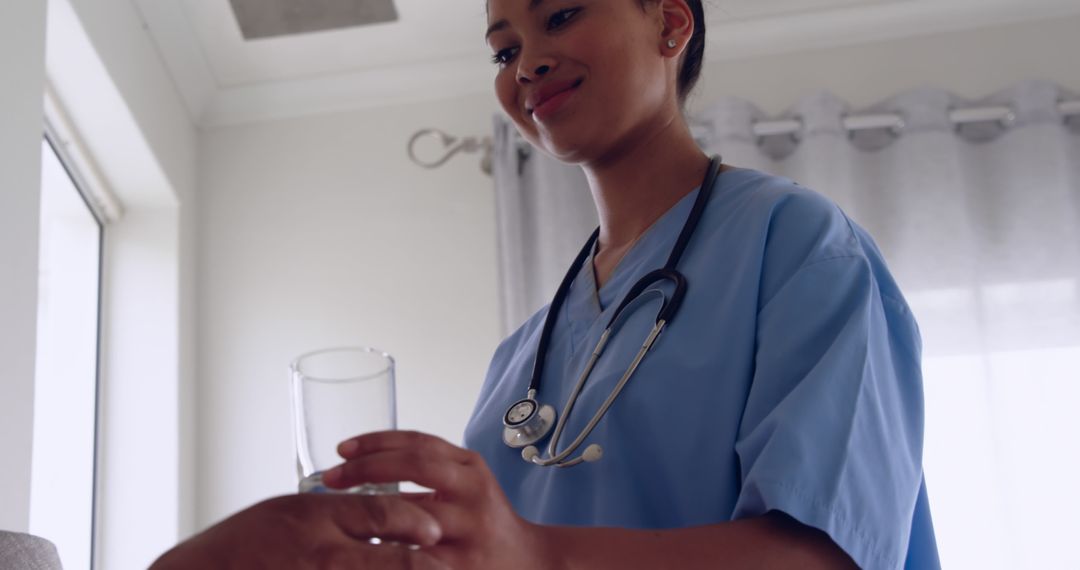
[(312, 532)]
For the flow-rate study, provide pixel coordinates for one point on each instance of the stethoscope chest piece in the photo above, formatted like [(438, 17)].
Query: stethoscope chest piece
[(527, 422)]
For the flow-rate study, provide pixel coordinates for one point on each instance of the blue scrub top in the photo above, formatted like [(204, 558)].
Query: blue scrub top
[(790, 380)]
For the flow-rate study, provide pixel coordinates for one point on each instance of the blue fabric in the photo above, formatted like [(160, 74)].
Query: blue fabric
[(789, 381)]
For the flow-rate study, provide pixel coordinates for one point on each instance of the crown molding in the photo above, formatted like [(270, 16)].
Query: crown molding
[(364, 89), (178, 47), (212, 105)]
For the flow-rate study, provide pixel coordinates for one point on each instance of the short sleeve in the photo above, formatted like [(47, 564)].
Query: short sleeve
[(832, 429)]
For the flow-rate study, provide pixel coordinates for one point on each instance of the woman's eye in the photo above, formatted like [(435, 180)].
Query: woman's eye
[(503, 56), (561, 17), (556, 21)]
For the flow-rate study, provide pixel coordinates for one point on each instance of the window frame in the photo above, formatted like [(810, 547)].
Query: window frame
[(62, 148)]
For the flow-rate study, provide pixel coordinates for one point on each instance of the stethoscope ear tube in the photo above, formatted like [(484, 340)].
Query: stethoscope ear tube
[(593, 452), (670, 306)]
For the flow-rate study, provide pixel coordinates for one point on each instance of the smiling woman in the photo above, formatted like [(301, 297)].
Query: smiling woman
[(772, 417), (790, 470), (798, 438), (608, 59)]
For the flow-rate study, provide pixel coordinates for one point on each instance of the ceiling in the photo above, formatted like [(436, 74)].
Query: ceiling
[(435, 49)]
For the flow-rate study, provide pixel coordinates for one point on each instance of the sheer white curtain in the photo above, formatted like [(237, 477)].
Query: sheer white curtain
[(981, 226)]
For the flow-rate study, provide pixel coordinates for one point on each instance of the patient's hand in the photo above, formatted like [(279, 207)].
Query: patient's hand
[(313, 531)]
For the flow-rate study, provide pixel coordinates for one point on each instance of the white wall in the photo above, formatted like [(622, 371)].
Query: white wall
[(319, 231), (139, 485), (22, 58)]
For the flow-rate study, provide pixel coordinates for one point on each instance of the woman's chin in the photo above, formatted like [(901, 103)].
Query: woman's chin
[(566, 147)]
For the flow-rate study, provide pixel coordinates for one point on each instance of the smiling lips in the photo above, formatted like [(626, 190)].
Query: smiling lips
[(545, 101)]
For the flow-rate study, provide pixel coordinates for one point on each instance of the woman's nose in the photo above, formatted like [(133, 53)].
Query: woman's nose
[(532, 69)]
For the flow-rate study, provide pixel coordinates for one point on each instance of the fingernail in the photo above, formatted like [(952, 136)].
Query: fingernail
[(347, 448), (433, 533)]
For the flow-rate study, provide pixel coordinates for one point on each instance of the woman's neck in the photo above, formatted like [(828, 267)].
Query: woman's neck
[(633, 187)]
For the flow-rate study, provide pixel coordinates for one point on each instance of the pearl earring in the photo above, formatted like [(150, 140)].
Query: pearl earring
[(672, 43)]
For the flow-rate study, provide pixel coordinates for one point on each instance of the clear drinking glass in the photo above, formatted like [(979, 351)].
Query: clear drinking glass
[(339, 393)]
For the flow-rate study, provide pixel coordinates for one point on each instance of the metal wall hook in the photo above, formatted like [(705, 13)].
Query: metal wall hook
[(451, 146)]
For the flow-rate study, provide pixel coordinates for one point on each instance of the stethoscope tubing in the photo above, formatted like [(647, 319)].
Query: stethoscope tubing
[(558, 459), (668, 310)]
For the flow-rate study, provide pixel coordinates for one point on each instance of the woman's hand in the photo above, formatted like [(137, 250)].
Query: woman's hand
[(312, 531), (480, 530)]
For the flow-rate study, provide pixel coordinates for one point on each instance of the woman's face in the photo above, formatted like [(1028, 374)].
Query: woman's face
[(580, 77)]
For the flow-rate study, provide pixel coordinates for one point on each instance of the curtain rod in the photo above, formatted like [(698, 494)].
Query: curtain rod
[(1001, 114)]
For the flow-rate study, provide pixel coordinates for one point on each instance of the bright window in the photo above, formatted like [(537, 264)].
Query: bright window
[(1001, 387), (65, 399)]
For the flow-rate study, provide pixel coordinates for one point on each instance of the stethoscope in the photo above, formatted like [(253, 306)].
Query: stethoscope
[(526, 421)]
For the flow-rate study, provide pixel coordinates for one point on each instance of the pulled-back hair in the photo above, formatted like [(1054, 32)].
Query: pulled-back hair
[(690, 69)]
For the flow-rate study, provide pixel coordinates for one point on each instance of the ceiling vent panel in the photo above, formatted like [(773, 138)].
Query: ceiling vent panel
[(271, 18)]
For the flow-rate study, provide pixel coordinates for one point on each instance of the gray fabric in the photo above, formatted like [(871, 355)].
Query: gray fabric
[(950, 208), (26, 552), (543, 211)]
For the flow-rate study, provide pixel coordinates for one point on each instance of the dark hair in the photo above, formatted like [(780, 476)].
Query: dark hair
[(690, 69)]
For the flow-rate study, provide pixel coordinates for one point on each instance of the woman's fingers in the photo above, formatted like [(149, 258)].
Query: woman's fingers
[(390, 440), (393, 456), (447, 477), (466, 496)]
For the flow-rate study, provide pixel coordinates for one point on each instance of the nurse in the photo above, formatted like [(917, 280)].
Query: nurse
[(777, 421)]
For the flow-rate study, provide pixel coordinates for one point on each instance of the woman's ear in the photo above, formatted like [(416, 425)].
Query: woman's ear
[(677, 26)]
